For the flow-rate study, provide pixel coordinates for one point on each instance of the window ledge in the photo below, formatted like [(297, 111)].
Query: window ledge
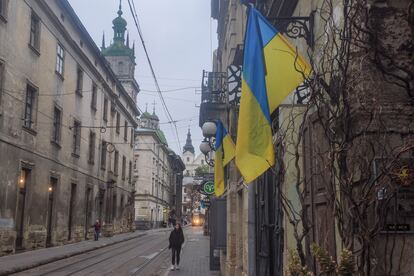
[(34, 49), (79, 93), (3, 18), (30, 130), (76, 155), (56, 144), (91, 162)]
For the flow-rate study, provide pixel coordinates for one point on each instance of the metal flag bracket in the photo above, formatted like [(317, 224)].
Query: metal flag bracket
[(296, 27)]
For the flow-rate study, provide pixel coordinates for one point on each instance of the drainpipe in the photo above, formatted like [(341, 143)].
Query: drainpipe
[(251, 229)]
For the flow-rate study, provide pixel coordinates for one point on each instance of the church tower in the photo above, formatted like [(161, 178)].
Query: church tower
[(188, 151), (121, 56)]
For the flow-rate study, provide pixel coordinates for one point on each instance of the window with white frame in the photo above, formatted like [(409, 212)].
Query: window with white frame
[(76, 138), (60, 59), (30, 107), (57, 123)]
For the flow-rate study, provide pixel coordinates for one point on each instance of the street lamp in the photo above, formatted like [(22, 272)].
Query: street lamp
[(207, 145), (209, 129)]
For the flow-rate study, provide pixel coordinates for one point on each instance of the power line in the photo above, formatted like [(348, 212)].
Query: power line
[(168, 78), (168, 114), (171, 90), (171, 98), (69, 127), (41, 93)]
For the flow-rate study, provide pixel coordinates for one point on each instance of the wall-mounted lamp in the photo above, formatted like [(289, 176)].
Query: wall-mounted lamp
[(207, 145)]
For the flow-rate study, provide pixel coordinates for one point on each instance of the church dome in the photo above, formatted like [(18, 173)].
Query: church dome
[(119, 23), (154, 117), (146, 115)]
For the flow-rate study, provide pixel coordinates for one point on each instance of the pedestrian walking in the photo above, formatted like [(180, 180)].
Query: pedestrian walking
[(176, 241), (97, 229)]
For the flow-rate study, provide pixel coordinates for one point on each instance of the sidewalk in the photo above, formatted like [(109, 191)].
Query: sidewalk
[(30, 259), (195, 257)]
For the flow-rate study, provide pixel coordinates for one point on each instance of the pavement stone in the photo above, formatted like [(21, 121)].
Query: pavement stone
[(30, 259), (195, 256)]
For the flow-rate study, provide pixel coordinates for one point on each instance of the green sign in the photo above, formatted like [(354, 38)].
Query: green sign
[(208, 187)]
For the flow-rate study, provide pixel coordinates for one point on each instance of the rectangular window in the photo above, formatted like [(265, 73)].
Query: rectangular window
[(105, 110), (76, 138), (35, 32), (92, 144), (30, 106), (132, 137), (118, 122), (123, 167), (60, 60), (3, 9), (94, 96), (103, 155), (116, 163), (126, 131), (130, 173), (57, 123), (79, 81)]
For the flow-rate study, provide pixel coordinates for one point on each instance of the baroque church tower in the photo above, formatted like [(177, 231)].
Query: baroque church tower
[(121, 56)]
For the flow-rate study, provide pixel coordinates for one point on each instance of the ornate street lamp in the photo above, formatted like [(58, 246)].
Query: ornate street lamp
[(207, 145)]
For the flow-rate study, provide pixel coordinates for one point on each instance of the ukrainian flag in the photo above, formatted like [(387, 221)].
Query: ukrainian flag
[(270, 73), (224, 153)]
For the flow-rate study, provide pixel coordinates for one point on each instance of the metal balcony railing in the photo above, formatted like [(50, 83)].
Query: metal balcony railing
[(214, 87)]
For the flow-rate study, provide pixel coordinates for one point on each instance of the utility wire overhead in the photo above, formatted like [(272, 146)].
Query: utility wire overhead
[(167, 112), (171, 90), (168, 78)]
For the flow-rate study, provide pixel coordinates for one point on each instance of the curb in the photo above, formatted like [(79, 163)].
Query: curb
[(63, 256)]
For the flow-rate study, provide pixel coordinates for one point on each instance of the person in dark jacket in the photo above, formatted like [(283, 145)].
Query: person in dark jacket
[(176, 241), (97, 229)]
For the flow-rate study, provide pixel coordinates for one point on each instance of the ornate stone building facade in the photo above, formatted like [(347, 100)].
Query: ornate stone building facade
[(158, 172), (343, 142), (66, 128)]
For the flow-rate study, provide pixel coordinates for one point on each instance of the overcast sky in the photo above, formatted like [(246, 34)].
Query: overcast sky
[(179, 36)]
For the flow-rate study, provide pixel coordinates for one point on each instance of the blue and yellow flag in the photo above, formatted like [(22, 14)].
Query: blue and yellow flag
[(225, 150), (270, 73)]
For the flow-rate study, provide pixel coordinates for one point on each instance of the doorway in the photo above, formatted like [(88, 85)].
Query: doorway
[(51, 190), (88, 211), (71, 204), (21, 204)]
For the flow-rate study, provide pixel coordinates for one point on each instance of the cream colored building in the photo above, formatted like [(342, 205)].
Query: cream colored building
[(158, 173), (66, 129)]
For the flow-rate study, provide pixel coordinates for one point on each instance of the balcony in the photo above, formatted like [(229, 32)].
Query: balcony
[(214, 96)]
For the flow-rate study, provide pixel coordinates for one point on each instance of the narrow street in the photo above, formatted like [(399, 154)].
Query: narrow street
[(139, 256), (144, 255)]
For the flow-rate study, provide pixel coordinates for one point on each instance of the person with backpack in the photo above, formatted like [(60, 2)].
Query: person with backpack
[(176, 241)]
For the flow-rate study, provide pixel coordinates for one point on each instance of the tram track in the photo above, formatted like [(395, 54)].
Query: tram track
[(108, 260)]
